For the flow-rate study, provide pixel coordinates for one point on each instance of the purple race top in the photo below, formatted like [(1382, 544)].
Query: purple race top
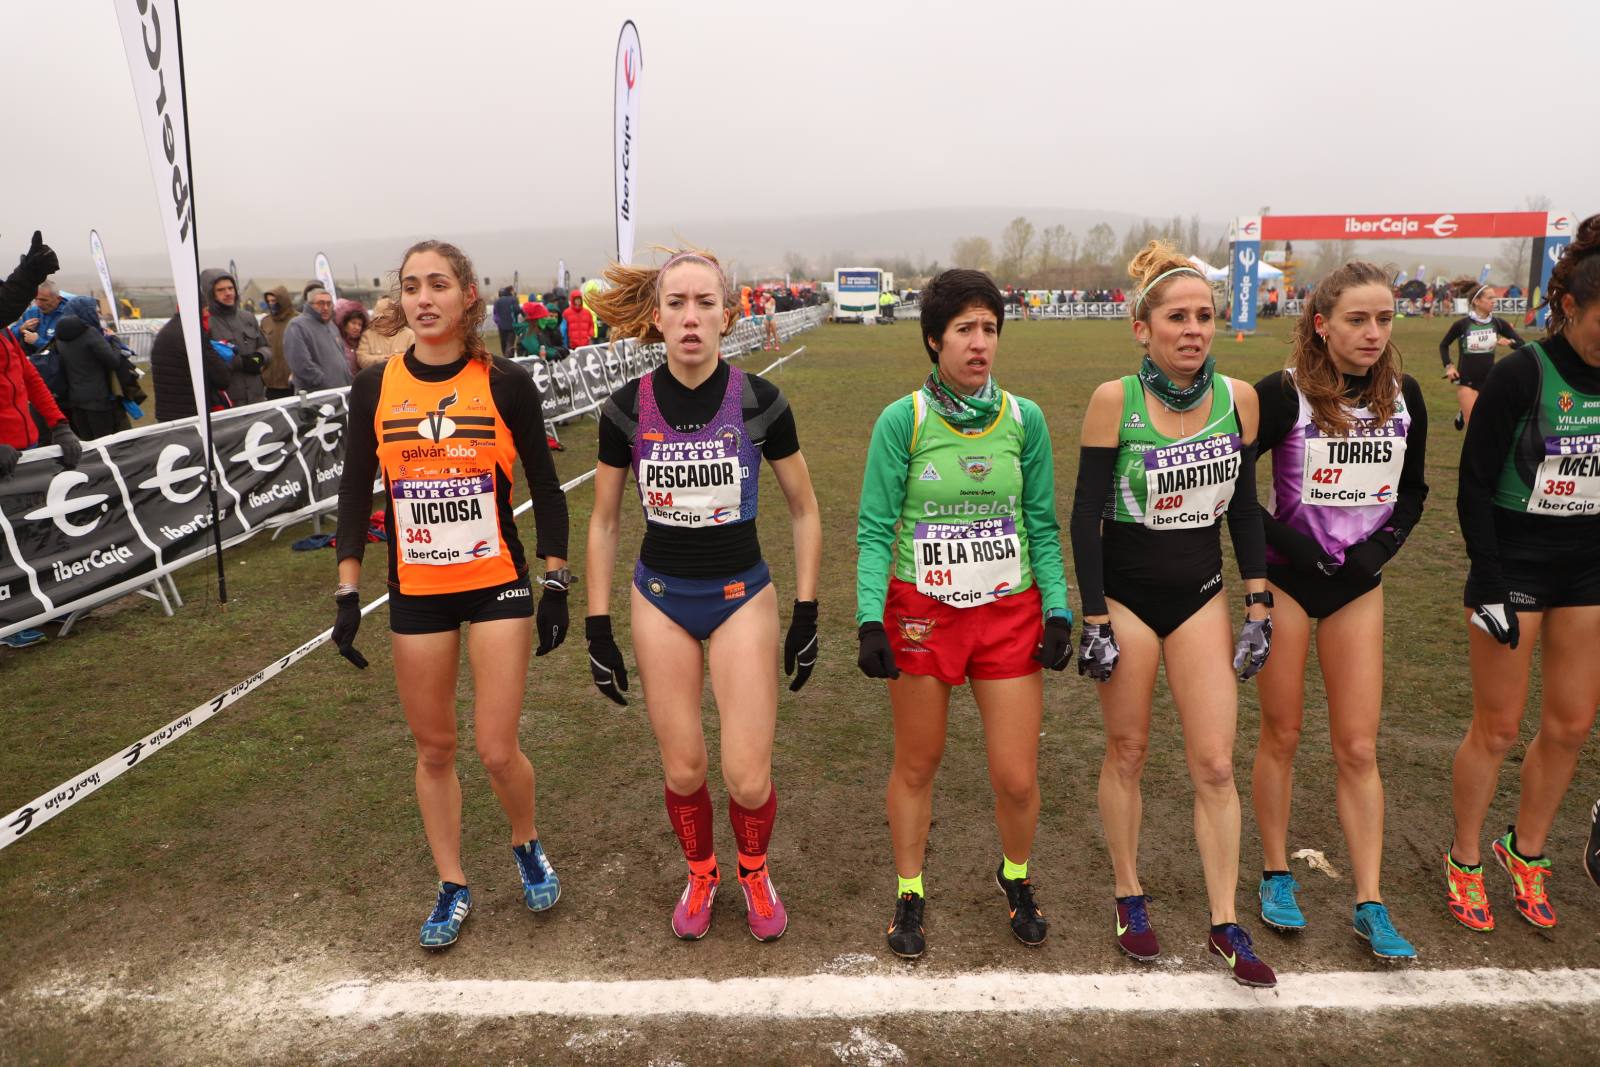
[(697, 459)]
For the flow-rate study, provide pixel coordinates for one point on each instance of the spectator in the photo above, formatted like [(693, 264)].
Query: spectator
[(506, 316), (352, 320), (237, 330), (579, 321), (275, 375), (21, 386), (89, 364), (378, 347), (312, 346), (169, 370)]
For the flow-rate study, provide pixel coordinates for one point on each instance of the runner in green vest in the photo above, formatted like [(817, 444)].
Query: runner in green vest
[(1529, 505), (1166, 453), (959, 576), (1475, 335)]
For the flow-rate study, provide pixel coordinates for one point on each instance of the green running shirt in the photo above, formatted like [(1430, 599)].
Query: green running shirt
[(1171, 483), (1553, 467)]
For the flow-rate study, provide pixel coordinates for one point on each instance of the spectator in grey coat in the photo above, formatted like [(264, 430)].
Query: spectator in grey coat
[(238, 330), (313, 348)]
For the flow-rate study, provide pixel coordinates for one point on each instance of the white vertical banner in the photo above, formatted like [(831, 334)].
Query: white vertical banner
[(630, 62), (98, 251), (324, 271), (155, 61), (561, 275)]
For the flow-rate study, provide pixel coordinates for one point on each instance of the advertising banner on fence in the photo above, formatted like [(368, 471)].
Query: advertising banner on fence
[(98, 251), (1401, 226), (630, 62), (155, 61), (1243, 272)]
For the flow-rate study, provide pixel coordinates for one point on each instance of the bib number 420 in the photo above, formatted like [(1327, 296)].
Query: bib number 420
[(1167, 503)]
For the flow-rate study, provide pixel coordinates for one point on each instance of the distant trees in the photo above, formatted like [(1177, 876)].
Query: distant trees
[(975, 253), (1016, 244)]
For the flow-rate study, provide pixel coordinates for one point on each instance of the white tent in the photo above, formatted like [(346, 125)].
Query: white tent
[(1265, 271)]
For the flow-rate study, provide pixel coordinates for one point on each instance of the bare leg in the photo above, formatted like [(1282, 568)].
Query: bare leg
[(1350, 645), (921, 708), (425, 667), (744, 680), (1012, 709), (1571, 691), (1125, 711), (1281, 688), (498, 652), (1499, 691)]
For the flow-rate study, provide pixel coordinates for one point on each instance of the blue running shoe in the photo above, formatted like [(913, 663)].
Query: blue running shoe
[(1373, 925), (540, 886), (22, 639), (449, 912), (1278, 907)]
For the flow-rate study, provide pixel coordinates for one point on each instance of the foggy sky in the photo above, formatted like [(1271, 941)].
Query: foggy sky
[(314, 121)]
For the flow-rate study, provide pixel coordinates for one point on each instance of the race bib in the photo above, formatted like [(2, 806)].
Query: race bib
[(1568, 481), (1189, 485), (965, 564), (1354, 471), (445, 520), (691, 483), (1481, 341)]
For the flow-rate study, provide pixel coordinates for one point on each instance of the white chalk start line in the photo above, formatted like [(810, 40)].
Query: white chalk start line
[(831, 996)]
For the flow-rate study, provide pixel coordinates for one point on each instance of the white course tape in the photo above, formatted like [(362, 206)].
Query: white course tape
[(47, 806)]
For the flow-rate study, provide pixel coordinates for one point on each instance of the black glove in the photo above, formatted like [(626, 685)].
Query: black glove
[(1303, 552), (876, 659), (1055, 651), (1368, 557), (345, 625), (800, 645), (71, 447), (39, 261), (551, 620), (1097, 651), (8, 460), (610, 674), (1255, 644), (1499, 621)]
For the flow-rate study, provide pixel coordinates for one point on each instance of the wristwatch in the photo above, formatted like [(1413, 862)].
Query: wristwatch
[(557, 581), (1264, 598)]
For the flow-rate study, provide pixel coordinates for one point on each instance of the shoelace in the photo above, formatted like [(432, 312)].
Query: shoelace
[(1536, 877), (1240, 942), (1378, 921), (699, 889), (443, 907), (760, 895), (907, 911), (1025, 904), (532, 869), (1282, 890), (1470, 885), (1138, 917)]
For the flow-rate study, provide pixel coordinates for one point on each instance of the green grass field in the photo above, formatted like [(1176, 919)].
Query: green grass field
[(280, 841)]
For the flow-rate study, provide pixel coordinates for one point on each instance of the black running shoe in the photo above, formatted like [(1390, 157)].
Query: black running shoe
[(1460, 421), (1591, 855), (1027, 920), (905, 932)]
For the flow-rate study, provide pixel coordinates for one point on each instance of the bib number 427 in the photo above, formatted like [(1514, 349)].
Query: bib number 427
[(1327, 475)]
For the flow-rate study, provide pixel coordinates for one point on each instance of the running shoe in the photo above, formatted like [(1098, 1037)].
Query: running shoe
[(1231, 945), (1279, 909), (691, 919), (22, 639), (766, 913), (905, 930), (1027, 918), (1373, 925), (1460, 421), (449, 912), (540, 886), (1527, 882), (1591, 855), (1468, 902), (1134, 935)]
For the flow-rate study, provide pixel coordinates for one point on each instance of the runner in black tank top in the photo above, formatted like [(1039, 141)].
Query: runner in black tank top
[(1476, 336)]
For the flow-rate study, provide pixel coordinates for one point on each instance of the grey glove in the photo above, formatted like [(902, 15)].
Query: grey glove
[(1255, 644), (71, 447), (1097, 651)]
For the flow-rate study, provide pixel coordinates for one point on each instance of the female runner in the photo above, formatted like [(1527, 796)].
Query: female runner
[(1348, 436), (959, 552), (694, 431), (1165, 453), (446, 424), (1529, 505), (1476, 335)]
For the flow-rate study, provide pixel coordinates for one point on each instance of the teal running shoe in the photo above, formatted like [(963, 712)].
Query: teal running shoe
[(449, 912), (1278, 907), (1373, 925), (540, 886)]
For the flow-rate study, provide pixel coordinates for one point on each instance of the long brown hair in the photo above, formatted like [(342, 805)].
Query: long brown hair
[(390, 319), (1576, 273), (628, 307), (1316, 375)]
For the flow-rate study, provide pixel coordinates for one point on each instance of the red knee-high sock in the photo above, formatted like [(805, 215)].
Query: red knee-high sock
[(752, 829), (691, 821)]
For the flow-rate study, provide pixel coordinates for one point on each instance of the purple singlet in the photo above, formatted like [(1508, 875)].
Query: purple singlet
[(1338, 490), (707, 477)]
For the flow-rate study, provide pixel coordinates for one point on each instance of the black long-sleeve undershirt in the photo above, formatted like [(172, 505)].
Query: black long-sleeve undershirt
[(1491, 532), (515, 398), (1459, 327)]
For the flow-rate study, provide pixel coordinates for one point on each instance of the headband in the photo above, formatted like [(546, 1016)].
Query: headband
[(1477, 293), (1139, 298), (699, 257)]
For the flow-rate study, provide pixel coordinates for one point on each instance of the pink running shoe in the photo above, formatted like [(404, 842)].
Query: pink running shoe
[(691, 919), (768, 918)]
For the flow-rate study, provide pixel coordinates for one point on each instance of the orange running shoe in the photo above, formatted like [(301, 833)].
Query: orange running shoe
[(1468, 902), (1527, 882)]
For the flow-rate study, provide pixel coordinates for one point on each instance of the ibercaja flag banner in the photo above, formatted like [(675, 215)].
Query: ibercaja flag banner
[(155, 61), (324, 274), (630, 62), (98, 251)]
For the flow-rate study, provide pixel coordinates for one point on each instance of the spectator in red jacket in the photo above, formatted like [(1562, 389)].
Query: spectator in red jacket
[(580, 321)]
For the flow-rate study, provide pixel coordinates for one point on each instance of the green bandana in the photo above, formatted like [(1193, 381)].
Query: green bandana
[(963, 412), (1171, 397)]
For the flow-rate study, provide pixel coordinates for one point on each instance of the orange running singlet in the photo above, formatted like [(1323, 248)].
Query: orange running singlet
[(445, 452)]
